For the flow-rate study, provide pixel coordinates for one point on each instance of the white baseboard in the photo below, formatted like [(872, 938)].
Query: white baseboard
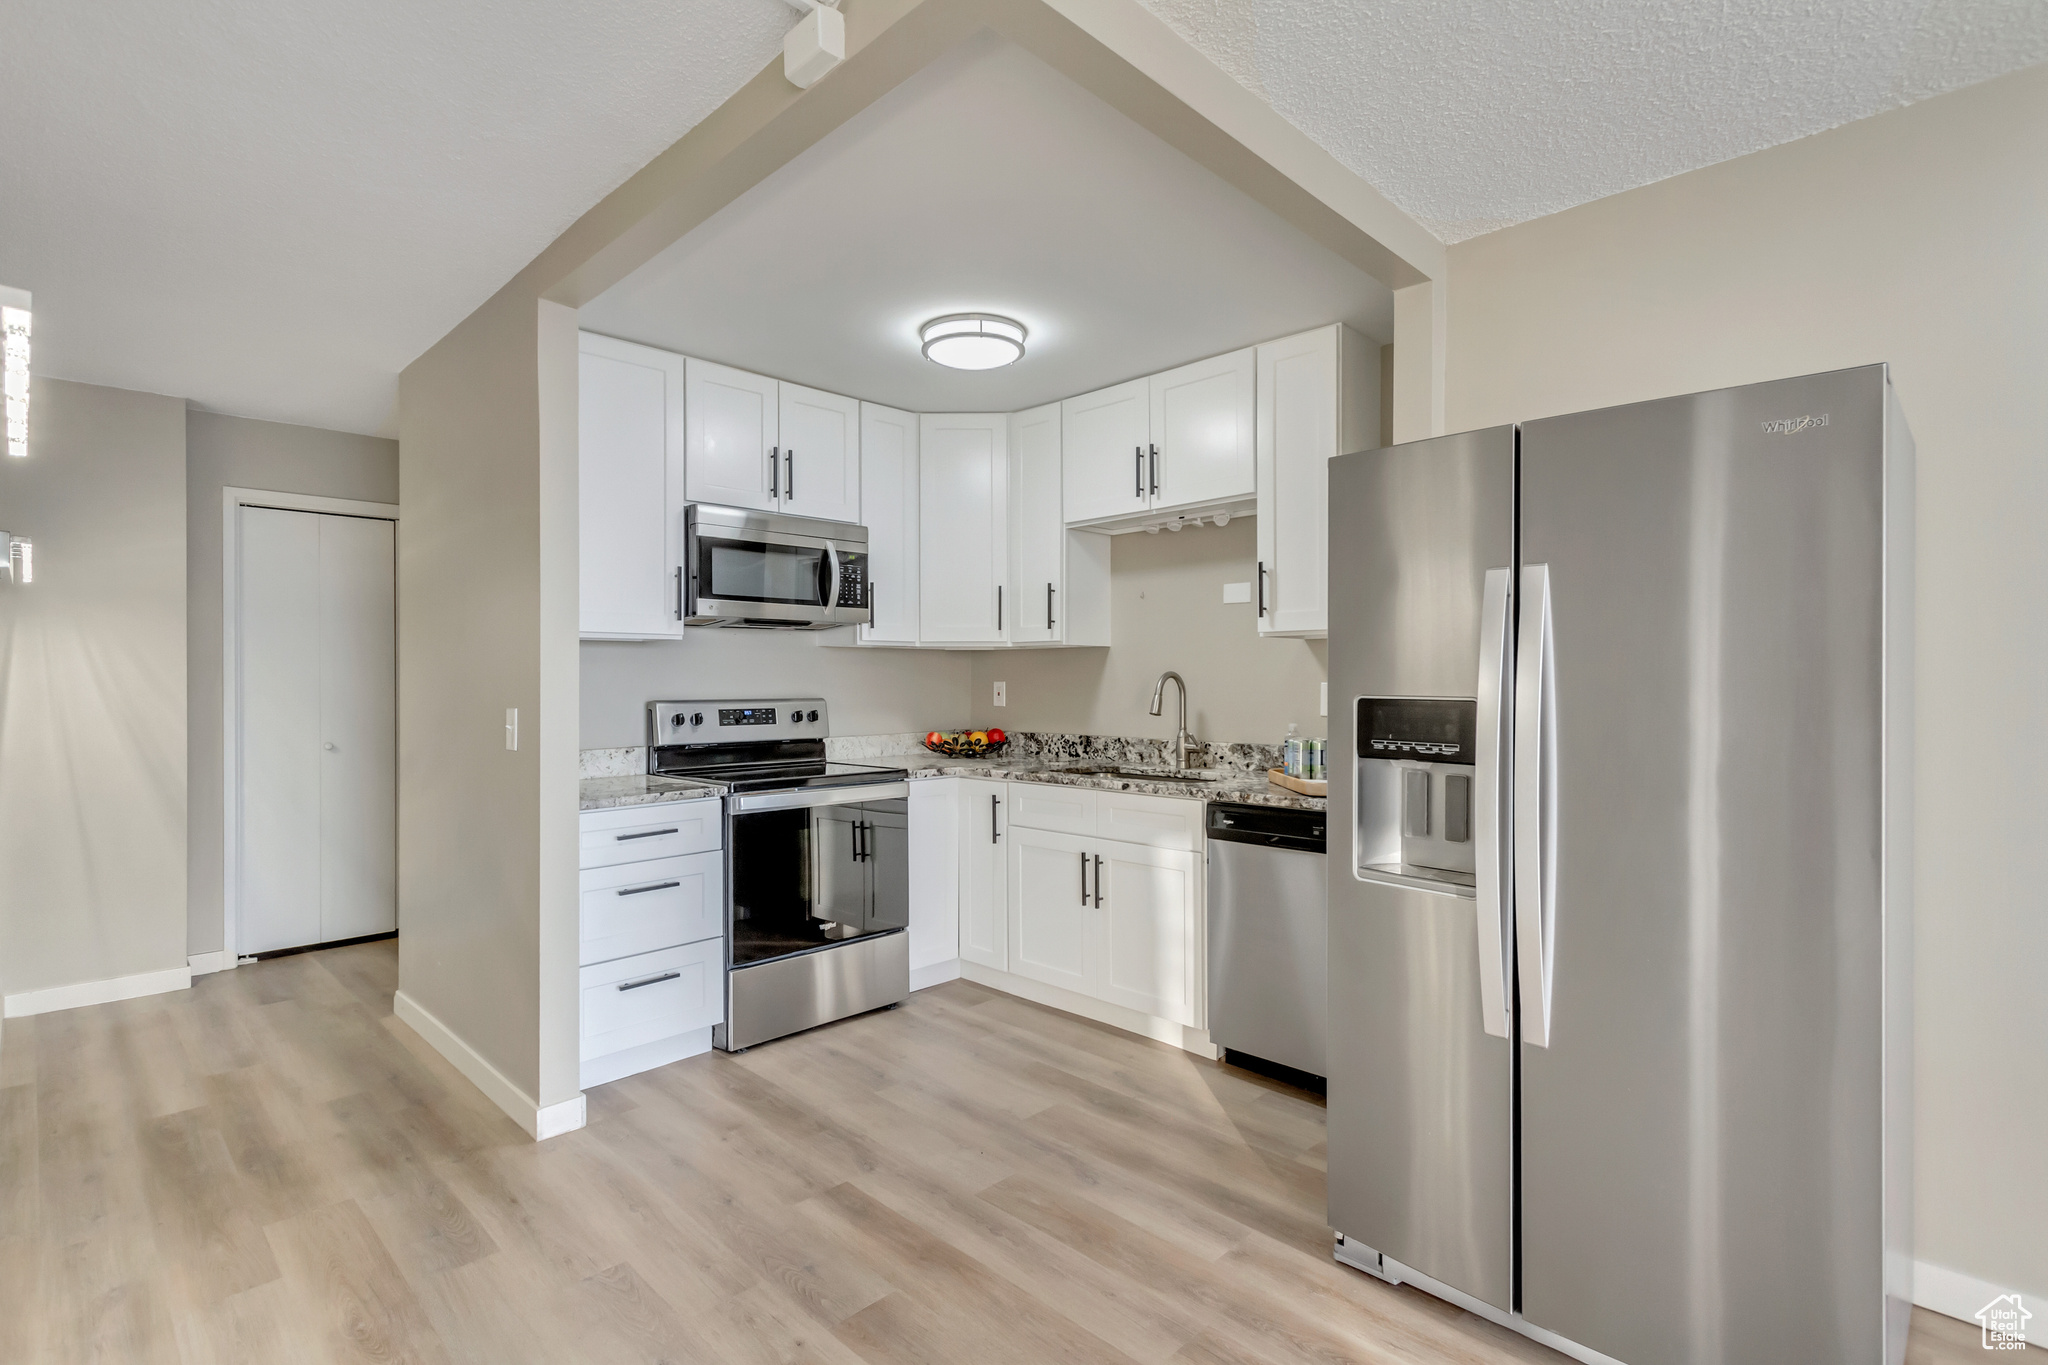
[(205, 964), (1953, 1294), (1168, 1031), (521, 1107), (96, 992), (634, 1060), (935, 974)]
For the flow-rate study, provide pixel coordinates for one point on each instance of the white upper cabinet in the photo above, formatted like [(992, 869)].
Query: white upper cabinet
[(963, 520), (630, 489), (1038, 528), (1105, 460), (820, 437), (1318, 398), (888, 499), (732, 450), (1203, 446)]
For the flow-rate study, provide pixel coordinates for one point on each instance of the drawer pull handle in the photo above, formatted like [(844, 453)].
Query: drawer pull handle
[(646, 834), (648, 981), (651, 886)]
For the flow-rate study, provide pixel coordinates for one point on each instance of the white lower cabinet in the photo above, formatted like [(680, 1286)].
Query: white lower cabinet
[(1112, 919), (651, 935), (1143, 952), (984, 876), (633, 908), (647, 999)]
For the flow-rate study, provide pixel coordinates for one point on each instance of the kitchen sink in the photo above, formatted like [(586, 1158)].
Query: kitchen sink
[(1189, 775)]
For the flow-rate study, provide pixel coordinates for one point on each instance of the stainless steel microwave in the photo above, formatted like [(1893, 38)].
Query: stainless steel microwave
[(772, 572)]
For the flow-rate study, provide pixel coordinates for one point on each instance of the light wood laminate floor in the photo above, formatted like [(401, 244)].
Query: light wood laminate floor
[(270, 1169)]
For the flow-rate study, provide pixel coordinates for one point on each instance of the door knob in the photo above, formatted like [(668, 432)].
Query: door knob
[(329, 747)]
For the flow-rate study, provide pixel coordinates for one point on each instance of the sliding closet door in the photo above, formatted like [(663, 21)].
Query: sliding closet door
[(317, 738)]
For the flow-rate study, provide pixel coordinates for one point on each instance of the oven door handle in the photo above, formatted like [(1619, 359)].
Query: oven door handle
[(820, 796)]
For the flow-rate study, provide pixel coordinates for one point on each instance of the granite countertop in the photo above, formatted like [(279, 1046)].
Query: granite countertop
[(603, 793), (1243, 780), (1249, 788)]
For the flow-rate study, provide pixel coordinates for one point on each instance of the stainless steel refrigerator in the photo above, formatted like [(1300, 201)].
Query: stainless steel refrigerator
[(1620, 873)]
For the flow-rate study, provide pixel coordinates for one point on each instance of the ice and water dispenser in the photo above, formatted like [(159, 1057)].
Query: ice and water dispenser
[(1414, 798)]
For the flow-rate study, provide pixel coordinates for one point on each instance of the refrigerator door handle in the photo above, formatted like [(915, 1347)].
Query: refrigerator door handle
[(1492, 859), (1535, 805)]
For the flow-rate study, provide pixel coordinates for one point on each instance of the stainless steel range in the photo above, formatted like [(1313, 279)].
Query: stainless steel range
[(817, 863)]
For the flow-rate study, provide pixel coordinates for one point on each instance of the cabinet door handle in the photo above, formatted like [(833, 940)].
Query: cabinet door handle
[(1262, 587), (1084, 879), (999, 606), (642, 890), (1138, 473), (775, 472), (1155, 471), (1048, 606), (645, 834), (994, 834), (789, 476), (1098, 880), (648, 981), (679, 593)]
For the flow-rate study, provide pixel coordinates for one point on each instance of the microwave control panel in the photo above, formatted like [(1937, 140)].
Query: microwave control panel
[(853, 580)]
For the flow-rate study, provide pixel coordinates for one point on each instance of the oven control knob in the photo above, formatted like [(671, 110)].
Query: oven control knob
[(812, 716), (796, 717), (696, 718), (676, 719)]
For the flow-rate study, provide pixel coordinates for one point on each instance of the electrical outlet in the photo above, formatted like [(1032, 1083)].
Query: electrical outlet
[(1325, 702), (1002, 694), (511, 727), (1237, 592)]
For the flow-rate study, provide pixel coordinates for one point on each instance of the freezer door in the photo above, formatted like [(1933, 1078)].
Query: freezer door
[(1420, 1095), (1698, 845)]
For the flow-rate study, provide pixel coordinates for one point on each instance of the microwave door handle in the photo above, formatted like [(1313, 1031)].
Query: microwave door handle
[(1493, 861), (1535, 805), (831, 566)]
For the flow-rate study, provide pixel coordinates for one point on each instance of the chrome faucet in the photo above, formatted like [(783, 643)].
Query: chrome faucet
[(1182, 740)]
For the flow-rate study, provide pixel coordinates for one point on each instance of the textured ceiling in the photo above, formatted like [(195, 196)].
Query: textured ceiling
[(272, 206), (1474, 114), (987, 181)]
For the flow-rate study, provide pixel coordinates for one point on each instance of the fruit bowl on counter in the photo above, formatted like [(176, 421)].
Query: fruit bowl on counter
[(966, 743)]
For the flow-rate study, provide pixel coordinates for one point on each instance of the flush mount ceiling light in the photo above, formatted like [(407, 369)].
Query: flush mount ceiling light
[(972, 341)]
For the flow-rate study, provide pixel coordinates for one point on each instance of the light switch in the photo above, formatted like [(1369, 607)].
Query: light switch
[(511, 727), (1237, 592), (1002, 694)]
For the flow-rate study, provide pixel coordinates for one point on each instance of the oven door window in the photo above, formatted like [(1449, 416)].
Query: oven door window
[(752, 571), (807, 878)]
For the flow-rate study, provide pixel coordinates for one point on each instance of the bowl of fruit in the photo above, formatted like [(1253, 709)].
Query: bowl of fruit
[(966, 743)]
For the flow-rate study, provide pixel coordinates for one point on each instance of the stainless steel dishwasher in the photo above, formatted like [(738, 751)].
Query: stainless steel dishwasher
[(1269, 939)]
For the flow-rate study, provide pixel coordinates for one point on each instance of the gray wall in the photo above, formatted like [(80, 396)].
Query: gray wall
[(92, 692), (872, 691), (1167, 612), (1917, 237), (239, 452)]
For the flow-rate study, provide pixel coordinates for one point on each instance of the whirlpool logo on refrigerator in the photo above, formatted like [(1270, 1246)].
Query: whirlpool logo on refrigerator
[(1786, 426)]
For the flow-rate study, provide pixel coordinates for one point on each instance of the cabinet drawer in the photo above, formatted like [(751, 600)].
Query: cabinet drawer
[(644, 999), (637, 907), (634, 834), (1155, 821), (1040, 805)]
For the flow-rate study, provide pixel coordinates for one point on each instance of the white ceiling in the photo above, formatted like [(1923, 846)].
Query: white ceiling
[(986, 182), (1475, 114), (272, 206)]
